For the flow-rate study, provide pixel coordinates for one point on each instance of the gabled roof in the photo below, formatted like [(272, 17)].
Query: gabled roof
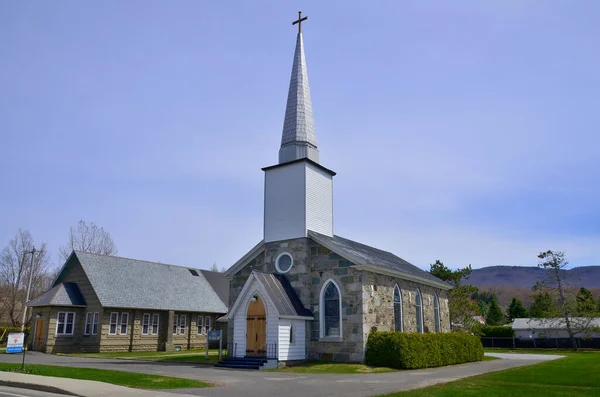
[(64, 294), (129, 283), (278, 289), (282, 294), (375, 259), (219, 283)]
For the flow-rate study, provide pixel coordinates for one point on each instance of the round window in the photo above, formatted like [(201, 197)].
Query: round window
[(284, 262)]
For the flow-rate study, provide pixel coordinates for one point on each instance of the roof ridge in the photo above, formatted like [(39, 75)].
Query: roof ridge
[(140, 260)]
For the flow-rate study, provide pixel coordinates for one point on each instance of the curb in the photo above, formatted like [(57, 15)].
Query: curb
[(31, 386)]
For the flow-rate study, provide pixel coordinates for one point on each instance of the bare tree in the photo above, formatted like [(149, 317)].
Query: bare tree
[(214, 267), (87, 238), (15, 267), (565, 313)]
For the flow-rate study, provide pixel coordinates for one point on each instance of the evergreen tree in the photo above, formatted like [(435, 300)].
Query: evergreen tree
[(494, 315), (542, 306), (516, 310), (585, 302)]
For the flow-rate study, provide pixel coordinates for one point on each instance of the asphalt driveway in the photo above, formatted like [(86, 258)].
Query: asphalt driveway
[(260, 383)]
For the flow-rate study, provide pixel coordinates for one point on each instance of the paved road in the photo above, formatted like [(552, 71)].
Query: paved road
[(16, 392), (260, 383)]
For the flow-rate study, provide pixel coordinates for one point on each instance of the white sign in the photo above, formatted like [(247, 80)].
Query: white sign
[(15, 343)]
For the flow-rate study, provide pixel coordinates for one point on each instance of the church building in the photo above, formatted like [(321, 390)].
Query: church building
[(304, 292)]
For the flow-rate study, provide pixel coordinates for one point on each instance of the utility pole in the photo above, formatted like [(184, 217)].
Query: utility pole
[(32, 252)]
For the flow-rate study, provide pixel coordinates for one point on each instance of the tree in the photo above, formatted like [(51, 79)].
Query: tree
[(542, 306), (15, 269), (495, 315), (556, 285), (462, 307), (516, 310), (585, 302), (88, 238)]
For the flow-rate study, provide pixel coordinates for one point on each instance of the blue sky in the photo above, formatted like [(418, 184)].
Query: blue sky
[(465, 131)]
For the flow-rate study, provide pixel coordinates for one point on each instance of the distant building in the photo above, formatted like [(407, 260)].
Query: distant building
[(529, 328), (101, 303)]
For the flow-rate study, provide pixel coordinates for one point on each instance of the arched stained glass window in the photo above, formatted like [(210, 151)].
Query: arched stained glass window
[(436, 313), (397, 310), (419, 307), (330, 310)]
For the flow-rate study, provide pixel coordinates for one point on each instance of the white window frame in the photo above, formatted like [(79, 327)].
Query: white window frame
[(146, 324), (64, 323), (207, 324), (113, 323), (419, 311), (155, 321), (322, 311), (95, 323), (182, 324), (175, 324), (200, 324), (88, 324), (397, 288), (126, 324)]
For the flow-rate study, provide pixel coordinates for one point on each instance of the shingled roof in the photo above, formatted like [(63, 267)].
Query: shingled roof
[(129, 283), (282, 294), (64, 294), (364, 255)]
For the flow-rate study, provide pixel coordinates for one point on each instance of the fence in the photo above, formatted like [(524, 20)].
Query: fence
[(539, 343), (269, 351)]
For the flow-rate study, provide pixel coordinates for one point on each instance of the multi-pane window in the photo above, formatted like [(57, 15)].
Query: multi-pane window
[(124, 321), (182, 324), (175, 318), (330, 309), (95, 324), (145, 324), (436, 313), (207, 321), (155, 324), (88, 323), (200, 325), (419, 311), (65, 322), (397, 309), (114, 318)]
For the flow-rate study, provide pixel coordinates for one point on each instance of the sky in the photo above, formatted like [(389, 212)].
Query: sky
[(464, 131)]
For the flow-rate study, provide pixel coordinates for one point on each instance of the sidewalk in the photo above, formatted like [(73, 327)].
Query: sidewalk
[(76, 387)]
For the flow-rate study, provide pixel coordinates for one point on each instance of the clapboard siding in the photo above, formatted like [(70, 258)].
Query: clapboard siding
[(239, 324), (285, 205), (319, 200), (296, 350)]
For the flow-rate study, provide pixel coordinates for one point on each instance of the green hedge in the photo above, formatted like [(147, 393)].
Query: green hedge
[(10, 330), (498, 331), (412, 351)]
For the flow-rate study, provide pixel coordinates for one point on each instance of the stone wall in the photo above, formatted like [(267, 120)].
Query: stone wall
[(378, 295)]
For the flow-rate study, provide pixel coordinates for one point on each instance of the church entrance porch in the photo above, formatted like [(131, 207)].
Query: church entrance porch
[(256, 328)]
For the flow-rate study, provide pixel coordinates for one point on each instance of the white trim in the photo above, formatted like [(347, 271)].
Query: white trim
[(87, 328), (146, 316), (420, 295), (175, 323), (405, 276), (396, 287), (157, 317), (182, 328), (322, 311), (64, 323), (200, 324), (297, 317), (279, 257), (126, 314), (207, 324), (244, 259), (95, 323), (110, 323)]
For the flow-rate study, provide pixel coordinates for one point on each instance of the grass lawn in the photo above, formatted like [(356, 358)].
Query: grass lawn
[(181, 356), (322, 367), (488, 358), (578, 374), (129, 379)]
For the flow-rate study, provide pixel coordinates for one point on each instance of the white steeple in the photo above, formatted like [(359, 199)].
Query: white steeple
[(299, 139)]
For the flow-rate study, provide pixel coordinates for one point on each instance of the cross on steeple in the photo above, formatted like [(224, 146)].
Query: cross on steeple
[(299, 21)]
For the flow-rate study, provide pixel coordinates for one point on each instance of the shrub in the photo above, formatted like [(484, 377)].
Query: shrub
[(412, 351), (498, 331)]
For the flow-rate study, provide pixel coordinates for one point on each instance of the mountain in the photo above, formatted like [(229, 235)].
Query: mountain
[(508, 282), (526, 277)]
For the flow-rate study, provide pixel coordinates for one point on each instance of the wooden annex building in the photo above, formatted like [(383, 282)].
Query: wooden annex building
[(102, 303)]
